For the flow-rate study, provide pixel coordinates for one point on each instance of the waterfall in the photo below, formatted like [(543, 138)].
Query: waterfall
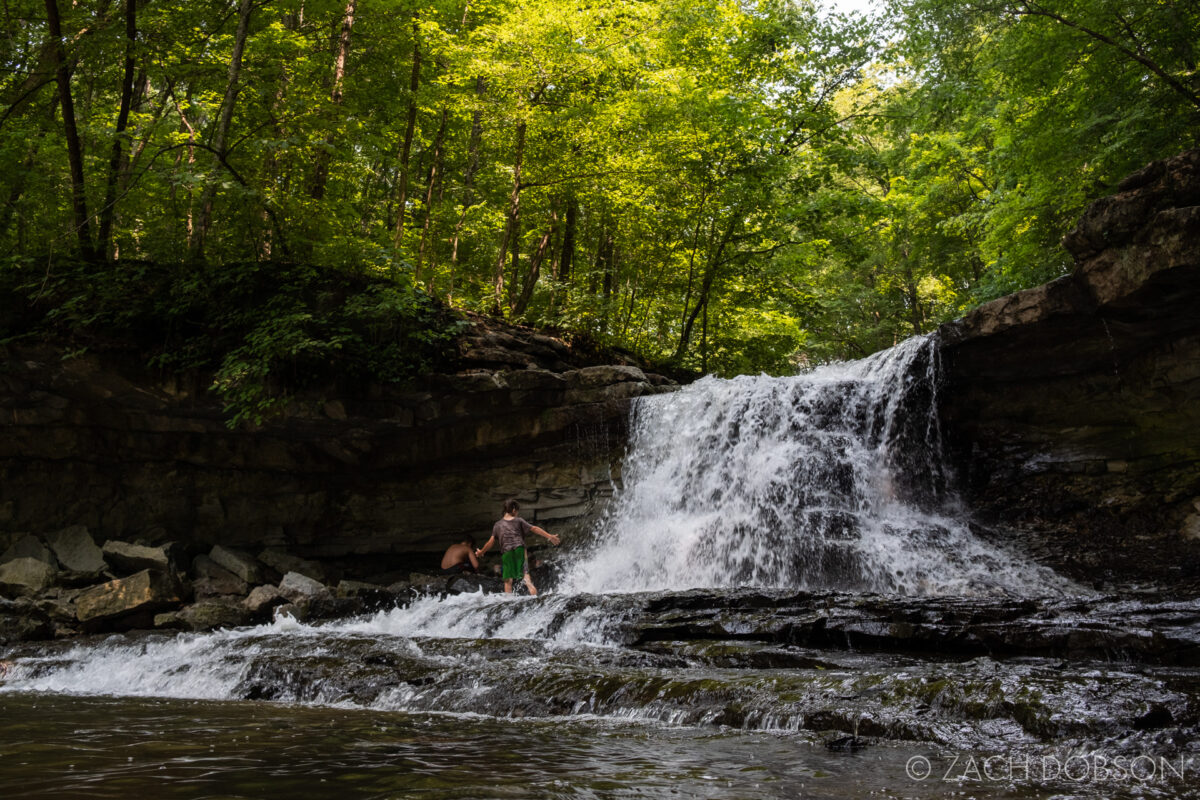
[(833, 479), (829, 481)]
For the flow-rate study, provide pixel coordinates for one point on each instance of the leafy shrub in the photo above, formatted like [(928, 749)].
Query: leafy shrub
[(261, 329)]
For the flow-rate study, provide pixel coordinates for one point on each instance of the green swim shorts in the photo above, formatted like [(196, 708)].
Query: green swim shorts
[(513, 563)]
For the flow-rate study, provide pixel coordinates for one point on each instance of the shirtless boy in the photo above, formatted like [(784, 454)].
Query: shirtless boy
[(460, 558)]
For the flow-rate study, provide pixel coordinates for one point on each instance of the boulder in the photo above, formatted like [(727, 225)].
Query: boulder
[(170, 621), (22, 621), (60, 610), (241, 564), (29, 546), (262, 599), (26, 576), (469, 584), (295, 586), (145, 591), (126, 558), (426, 583), (372, 596), (1071, 410), (346, 588), (208, 615), (76, 551), (213, 580), (326, 606), (284, 562)]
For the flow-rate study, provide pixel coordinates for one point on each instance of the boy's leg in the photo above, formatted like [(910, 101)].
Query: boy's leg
[(508, 585), (529, 583)]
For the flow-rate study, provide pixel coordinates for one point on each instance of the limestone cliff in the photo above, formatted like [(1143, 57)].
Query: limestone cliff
[(1073, 408), (98, 440)]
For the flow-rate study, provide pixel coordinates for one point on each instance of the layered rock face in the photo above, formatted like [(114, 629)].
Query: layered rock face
[(95, 441), (1073, 408)]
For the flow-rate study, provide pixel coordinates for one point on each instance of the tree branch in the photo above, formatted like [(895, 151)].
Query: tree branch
[(1026, 8)]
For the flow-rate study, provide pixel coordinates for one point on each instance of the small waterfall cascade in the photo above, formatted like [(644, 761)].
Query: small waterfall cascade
[(757, 491), (832, 480)]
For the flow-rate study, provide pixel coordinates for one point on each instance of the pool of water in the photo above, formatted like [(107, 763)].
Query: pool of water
[(68, 746)]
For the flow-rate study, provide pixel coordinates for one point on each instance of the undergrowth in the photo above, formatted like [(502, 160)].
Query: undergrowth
[(260, 330)]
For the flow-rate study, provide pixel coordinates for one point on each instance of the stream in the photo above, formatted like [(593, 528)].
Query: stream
[(785, 599)]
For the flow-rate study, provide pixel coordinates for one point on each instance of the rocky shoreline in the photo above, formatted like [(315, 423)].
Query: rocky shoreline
[(64, 585)]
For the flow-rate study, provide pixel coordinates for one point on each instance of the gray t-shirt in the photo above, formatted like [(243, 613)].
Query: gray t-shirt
[(510, 533)]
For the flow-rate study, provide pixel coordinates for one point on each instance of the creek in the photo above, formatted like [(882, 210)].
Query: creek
[(785, 599)]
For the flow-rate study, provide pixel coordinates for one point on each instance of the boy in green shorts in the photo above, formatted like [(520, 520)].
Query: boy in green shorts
[(510, 532)]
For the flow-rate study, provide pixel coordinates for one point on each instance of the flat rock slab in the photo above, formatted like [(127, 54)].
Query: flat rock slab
[(148, 590), (209, 615), (126, 557)]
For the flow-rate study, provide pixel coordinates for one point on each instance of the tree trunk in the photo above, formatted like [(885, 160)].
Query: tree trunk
[(433, 178), (511, 227), (535, 267), (566, 253), (608, 258), (567, 257), (222, 132), (687, 297), (409, 129), (321, 171), (62, 76), (140, 95), (115, 159), (190, 227), (710, 274), (469, 174), (910, 292)]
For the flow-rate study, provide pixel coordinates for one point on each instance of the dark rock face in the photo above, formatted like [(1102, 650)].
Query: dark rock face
[(1073, 408), (96, 440)]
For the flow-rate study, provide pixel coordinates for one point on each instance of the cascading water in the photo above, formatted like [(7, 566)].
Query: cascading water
[(784, 499), (830, 480)]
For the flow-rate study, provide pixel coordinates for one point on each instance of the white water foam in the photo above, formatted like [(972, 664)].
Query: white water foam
[(552, 619), (830, 480), (215, 665), (203, 666)]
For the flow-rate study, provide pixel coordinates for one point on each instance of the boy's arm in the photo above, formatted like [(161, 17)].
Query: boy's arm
[(487, 546), (474, 559), (544, 534)]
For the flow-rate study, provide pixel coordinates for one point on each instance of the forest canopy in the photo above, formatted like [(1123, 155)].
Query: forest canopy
[(722, 186)]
